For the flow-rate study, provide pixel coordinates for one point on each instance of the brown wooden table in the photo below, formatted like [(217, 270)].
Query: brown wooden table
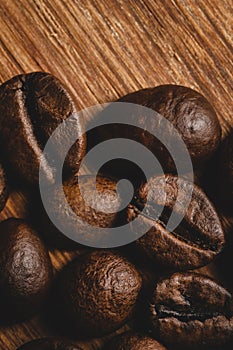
[(103, 49)]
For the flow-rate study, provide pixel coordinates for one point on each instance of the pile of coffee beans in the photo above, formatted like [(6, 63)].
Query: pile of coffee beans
[(101, 290)]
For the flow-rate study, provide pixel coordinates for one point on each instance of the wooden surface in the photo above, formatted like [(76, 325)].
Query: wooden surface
[(104, 49)]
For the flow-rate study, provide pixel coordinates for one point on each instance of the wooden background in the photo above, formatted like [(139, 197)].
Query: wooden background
[(104, 49)]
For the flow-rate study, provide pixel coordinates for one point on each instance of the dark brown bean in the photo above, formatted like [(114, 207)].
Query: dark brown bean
[(197, 239), (133, 341), (25, 270), (191, 311), (98, 211), (188, 111), (32, 106), (97, 293)]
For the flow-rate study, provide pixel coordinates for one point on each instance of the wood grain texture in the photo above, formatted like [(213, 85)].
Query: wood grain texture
[(102, 50)]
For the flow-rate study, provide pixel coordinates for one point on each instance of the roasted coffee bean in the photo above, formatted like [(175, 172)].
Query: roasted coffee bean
[(133, 341), (25, 270), (188, 111), (99, 209), (32, 106), (197, 239), (49, 344), (191, 311), (3, 188), (97, 292)]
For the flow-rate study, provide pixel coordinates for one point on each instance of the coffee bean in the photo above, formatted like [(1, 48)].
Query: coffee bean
[(3, 188), (49, 344), (197, 239), (98, 208), (188, 111), (191, 311), (133, 341), (32, 106), (25, 270), (97, 293)]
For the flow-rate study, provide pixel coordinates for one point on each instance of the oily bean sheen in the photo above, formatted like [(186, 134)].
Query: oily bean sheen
[(197, 239), (133, 341), (98, 208), (25, 270), (191, 311), (31, 108), (97, 293), (188, 111), (3, 188), (49, 344)]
